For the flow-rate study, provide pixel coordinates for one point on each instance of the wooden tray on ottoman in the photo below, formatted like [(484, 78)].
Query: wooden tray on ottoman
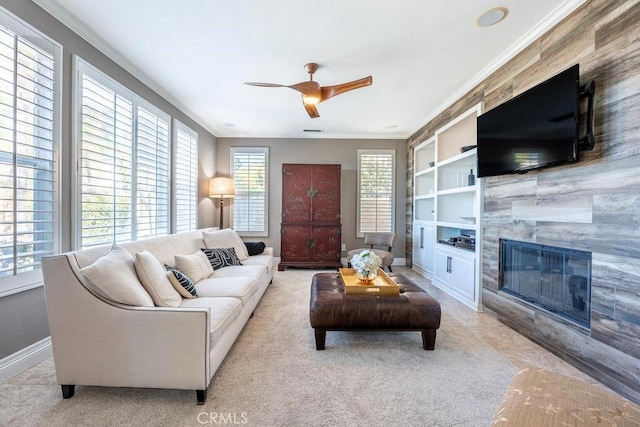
[(382, 285)]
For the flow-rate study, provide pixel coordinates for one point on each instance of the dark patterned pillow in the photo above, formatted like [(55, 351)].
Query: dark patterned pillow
[(181, 282), (222, 257), (255, 248)]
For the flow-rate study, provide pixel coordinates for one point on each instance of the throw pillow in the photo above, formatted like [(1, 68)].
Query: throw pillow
[(255, 248), (154, 278), (226, 238), (222, 257), (181, 282), (196, 266), (115, 275)]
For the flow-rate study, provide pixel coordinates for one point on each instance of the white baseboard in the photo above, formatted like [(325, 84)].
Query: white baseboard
[(24, 359)]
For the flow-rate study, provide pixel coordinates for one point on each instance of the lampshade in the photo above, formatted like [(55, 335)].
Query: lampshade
[(222, 188)]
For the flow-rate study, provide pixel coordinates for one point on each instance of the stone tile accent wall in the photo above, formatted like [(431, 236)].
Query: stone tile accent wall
[(593, 205)]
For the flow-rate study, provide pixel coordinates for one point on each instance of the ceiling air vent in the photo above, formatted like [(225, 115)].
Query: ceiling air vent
[(312, 130)]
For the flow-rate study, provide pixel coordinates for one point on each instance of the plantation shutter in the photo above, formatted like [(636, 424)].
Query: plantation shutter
[(152, 173), (27, 161), (186, 178), (249, 166), (376, 172), (124, 163)]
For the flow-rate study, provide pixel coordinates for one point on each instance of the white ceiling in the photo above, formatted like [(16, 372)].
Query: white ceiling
[(197, 54)]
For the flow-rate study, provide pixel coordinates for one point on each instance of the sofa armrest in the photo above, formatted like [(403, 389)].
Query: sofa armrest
[(96, 342), (268, 251)]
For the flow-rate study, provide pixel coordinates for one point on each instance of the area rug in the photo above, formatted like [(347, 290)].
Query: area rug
[(274, 376)]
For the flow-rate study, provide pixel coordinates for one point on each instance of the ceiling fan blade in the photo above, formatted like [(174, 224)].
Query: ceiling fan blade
[(264, 84), (331, 91), (309, 88), (311, 110)]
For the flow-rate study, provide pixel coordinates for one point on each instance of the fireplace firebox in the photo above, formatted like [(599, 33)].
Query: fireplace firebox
[(555, 279)]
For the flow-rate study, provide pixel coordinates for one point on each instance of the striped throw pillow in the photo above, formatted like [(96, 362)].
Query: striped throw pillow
[(181, 282), (222, 257)]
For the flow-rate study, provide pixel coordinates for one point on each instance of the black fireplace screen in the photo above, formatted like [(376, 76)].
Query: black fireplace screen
[(556, 279)]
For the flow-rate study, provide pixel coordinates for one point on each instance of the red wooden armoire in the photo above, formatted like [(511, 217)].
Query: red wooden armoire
[(310, 233)]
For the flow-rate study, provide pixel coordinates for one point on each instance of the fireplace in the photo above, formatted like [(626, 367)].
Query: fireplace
[(555, 279)]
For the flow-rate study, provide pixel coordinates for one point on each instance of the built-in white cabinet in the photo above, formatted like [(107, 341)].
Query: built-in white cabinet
[(456, 272), (447, 209)]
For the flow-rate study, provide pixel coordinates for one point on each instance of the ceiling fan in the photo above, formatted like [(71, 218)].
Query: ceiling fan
[(313, 93)]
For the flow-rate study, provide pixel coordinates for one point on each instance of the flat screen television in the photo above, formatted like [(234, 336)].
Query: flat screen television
[(536, 129)]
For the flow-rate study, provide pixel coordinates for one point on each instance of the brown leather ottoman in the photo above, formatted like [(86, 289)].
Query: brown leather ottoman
[(332, 310)]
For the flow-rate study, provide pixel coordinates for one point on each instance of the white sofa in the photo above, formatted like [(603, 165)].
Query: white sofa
[(103, 343)]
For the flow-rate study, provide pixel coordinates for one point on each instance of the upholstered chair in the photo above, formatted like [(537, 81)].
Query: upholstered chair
[(380, 240)]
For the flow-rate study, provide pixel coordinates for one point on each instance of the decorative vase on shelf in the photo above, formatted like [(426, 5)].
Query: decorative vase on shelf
[(366, 265), (472, 178)]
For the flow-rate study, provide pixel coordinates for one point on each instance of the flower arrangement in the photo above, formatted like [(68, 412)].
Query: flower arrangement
[(366, 265)]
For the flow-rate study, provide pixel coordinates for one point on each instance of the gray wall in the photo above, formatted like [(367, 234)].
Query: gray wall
[(322, 151), (15, 334), (592, 205)]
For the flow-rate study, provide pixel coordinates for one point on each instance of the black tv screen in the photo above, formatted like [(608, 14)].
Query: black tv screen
[(538, 128)]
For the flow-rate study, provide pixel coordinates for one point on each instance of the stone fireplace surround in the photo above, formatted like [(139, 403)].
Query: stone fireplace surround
[(607, 350)]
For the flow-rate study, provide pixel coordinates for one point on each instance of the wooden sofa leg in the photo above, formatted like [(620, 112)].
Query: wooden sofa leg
[(201, 396), (68, 390), (428, 339)]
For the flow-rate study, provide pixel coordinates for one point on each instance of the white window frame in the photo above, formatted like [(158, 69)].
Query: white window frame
[(265, 151), (83, 67), (21, 282), (361, 153), (192, 203)]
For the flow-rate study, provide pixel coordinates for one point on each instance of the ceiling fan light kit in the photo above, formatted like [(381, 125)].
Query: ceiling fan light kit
[(313, 93)]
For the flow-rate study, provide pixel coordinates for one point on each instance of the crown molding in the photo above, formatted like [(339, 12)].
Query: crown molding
[(557, 15), (58, 12)]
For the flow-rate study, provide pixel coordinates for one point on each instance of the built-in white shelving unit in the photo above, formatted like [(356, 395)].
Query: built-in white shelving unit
[(447, 204)]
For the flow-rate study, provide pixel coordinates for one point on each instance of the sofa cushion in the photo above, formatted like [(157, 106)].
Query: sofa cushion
[(252, 271), (181, 282), (154, 278), (222, 257), (238, 287), (226, 238), (114, 276), (265, 260), (223, 312), (196, 266)]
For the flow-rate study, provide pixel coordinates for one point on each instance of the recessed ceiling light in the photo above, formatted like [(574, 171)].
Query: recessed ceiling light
[(391, 127), (230, 125), (491, 16)]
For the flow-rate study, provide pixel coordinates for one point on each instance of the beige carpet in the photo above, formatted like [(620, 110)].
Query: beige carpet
[(274, 377)]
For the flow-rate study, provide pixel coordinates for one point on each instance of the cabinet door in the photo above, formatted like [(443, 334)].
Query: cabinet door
[(428, 246), (296, 193), (441, 267), (325, 243), (463, 276), (295, 243), (417, 246), (325, 191)]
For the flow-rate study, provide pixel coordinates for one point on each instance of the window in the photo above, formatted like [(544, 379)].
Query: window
[(29, 68), (376, 173), (249, 168), (185, 174), (124, 162)]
